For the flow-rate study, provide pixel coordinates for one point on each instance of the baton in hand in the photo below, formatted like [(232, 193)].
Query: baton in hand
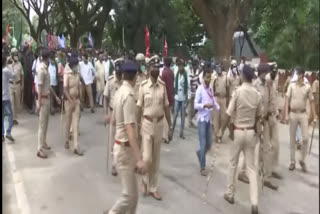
[(311, 139)]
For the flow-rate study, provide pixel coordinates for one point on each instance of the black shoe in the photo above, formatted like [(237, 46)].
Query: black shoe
[(229, 199), (243, 177), (303, 166), (254, 209), (92, 111), (292, 167), (271, 185), (10, 137), (15, 122), (276, 175)]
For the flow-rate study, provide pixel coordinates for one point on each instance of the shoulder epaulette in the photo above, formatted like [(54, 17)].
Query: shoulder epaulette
[(144, 82), (161, 82)]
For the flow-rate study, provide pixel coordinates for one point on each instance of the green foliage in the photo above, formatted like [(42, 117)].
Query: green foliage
[(9, 15), (289, 31)]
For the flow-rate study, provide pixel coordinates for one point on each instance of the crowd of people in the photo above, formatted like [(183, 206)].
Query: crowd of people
[(142, 98)]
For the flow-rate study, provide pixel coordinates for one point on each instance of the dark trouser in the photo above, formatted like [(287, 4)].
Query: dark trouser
[(94, 91), (205, 139), (6, 106), (53, 102), (27, 92), (179, 107)]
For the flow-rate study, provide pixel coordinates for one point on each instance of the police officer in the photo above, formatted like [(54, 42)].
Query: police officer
[(43, 104), (141, 75), (110, 89), (270, 145), (72, 87), (233, 82), (126, 151), (16, 86), (297, 95), (245, 104), (153, 106), (221, 90), (315, 91)]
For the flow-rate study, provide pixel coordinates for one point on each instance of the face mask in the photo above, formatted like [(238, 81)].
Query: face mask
[(143, 68)]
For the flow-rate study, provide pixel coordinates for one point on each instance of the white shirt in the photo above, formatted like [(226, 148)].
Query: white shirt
[(53, 75), (180, 96), (87, 72), (106, 69), (36, 66)]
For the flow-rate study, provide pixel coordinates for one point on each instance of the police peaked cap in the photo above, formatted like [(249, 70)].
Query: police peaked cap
[(129, 66)]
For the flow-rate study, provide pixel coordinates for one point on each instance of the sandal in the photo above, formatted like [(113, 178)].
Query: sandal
[(66, 145), (41, 154), (45, 146)]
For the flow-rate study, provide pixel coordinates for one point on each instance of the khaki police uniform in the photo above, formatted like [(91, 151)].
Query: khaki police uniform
[(245, 104), (110, 89), (220, 89), (315, 91), (124, 106), (153, 100), (16, 89), (44, 82), (71, 83), (233, 82), (140, 78), (298, 96)]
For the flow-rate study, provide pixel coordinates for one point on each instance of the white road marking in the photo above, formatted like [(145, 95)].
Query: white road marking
[(21, 195)]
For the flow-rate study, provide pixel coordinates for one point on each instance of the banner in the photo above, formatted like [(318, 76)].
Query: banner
[(90, 40), (165, 47), (147, 42)]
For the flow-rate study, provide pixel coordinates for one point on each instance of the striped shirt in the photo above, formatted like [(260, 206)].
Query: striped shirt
[(194, 80)]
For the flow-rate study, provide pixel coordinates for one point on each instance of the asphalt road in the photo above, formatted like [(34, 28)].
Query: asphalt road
[(67, 184)]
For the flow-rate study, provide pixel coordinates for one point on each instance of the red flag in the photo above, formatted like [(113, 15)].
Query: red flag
[(8, 30), (165, 47), (147, 42)]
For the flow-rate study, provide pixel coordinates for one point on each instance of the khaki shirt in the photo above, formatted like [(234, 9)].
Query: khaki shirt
[(124, 110), (44, 78), (153, 98), (298, 95), (233, 82), (140, 78), (110, 89), (246, 105), (220, 85), (17, 67), (71, 81), (315, 90)]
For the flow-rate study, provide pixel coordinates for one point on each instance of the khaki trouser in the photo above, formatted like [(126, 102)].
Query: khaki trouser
[(270, 148), (15, 98), (302, 120), (151, 141), (126, 163), (72, 117), (43, 122), (87, 89), (112, 133), (244, 141), (219, 116), (166, 127), (191, 109)]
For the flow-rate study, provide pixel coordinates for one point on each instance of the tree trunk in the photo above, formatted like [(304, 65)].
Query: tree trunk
[(74, 38), (220, 20)]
